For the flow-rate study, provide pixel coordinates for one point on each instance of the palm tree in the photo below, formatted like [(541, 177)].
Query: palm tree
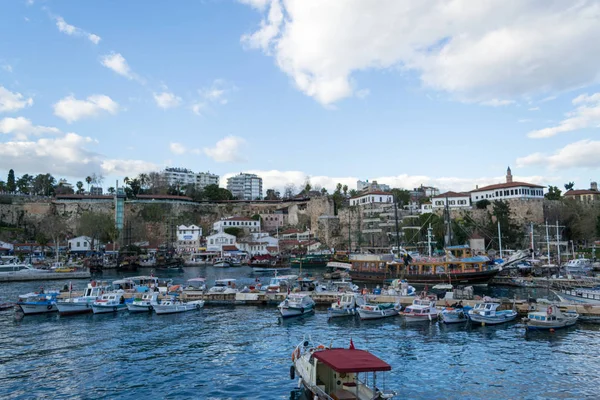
[(144, 180), (79, 185), (88, 180), (345, 189), (111, 190)]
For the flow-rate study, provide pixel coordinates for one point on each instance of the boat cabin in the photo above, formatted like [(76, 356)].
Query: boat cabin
[(297, 300), (225, 283), (196, 284), (124, 284), (486, 309)]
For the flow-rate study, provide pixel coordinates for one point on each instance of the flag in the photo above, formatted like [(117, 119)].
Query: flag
[(351, 344)]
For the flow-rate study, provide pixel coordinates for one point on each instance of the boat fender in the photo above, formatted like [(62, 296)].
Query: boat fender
[(49, 307), (292, 372), (115, 309), (549, 311), (320, 347)]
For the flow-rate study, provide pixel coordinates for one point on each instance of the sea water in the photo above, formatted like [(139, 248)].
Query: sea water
[(244, 352)]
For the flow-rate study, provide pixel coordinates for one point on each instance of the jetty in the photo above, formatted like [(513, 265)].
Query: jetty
[(48, 276)]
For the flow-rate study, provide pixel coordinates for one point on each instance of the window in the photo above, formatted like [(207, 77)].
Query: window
[(512, 192), (78, 244)]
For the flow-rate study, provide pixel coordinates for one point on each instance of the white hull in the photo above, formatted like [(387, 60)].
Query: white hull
[(160, 309), (419, 318), (367, 314), (81, 307), (495, 320), (29, 309), (139, 308), (341, 312), (105, 309), (454, 317), (569, 298), (222, 265), (288, 312), (267, 269), (537, 325)]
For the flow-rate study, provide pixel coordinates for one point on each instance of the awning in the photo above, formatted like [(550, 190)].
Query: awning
[(347, 360)]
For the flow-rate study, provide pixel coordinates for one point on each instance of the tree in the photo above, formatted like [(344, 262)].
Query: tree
[(345, 190), (510, 232), (2, 187), (352, 192), (88, 180), (289, 191), (553, 193), (43, 184), (338, 188), (144, 180), (255, 217), (482, 204), (111, 190), (135, 186), (79, 185), (232, 230), (323, 191), (401, 196), (307, 187), (569, 186), (97, 226), (272, 194), (25, 183), (215, 193), (11, 186)]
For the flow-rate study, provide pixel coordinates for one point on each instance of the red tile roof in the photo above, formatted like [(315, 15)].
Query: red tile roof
[(229, 248), (578, 192), (506, 186), (451, 194)]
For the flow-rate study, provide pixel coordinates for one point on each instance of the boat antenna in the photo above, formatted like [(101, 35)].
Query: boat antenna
[(447, 223), (397, 229)]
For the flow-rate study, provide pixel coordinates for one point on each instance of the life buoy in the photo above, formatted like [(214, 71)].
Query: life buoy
[(320, 346), (295, 354), (549, 311), (49, 307)]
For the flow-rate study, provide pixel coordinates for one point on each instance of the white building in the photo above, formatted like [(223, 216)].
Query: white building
[(455, 200), (185, 177), (259, 244), (245, 223), (508, 190), (426, 208), (371, 198), (220, 241), (188, 238), (82, 244), (371, 186), (245, 186)]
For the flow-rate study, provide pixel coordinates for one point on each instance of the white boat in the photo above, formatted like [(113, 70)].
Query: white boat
[(221, 263), (146, 262), (149, 283), (144, 303), (82, 304), (422, 309), (172, 306), (20, 269), (550, 318), (109, 303), (38, 303), (195, 284), (224, 286), (579, 295), (296, 304), (578, 266), (400, 287), (339, 373), (281, 283), (378, 310), (345, 306), (487, 314), (270, 267), (454, 315)]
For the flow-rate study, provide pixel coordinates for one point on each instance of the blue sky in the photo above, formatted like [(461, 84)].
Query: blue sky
[(409, 93)]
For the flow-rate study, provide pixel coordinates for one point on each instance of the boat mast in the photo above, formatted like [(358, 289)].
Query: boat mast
[(557, 243), (349, 233), (499, 239), (397, 229), (448, 224), (547, 243), (429, 230), (532, 244)]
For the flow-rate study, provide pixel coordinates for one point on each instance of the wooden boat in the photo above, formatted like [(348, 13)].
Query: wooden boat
[(487, 314), (339, 373), (550, 318), (310, 261)]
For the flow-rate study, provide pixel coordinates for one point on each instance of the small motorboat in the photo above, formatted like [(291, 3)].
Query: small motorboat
[(222, 263), (6, 306), (455, 315), (109, 303), (224, 286), (296, 304), (281, 283), (422, 309), (487, 314), (38, 303), (144, 303), (339, 373), (82, 304), (173, 306), (195, 284), (345, 306), (378, 310), (551, 318)]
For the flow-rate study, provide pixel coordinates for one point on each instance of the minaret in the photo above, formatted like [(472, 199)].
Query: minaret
[(508, 176)]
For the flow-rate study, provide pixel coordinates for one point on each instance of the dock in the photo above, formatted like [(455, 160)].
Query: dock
[(46, 276)]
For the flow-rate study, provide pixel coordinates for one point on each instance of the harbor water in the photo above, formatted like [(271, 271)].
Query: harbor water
[(243, 352)]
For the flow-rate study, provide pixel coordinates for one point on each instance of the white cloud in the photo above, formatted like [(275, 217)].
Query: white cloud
[(166, 100), (177, 148), (216, 93), (118, 64), (127, 167), (13, 101), (70, 109), (279, 179), (7, 67), (228, 149), (71, 30), (361, 94), (258, 4), (22, 127), (581, 154), (497, 102), (483, 52), (585, 116)]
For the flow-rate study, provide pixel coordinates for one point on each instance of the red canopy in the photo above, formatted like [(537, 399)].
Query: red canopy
[(347, 360)]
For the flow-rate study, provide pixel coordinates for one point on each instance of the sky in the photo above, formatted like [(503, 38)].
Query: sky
[(444, 93)]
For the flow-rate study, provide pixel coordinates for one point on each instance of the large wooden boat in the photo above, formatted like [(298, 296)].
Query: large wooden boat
[(428, 270)]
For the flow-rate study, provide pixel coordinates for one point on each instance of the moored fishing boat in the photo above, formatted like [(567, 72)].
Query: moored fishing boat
[(550, 318), (345, 306), (224, 286), (109, 303), (296, 304), (310, 261), (454, 315), (378, 310), (221, 263), (422, 309), (579, 295), (339, 373), (487, 314), (82, 304), (143, 304), (38, 303), (173, 306), (281, 283)]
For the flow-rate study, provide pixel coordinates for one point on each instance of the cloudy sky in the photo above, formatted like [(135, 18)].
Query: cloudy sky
[(447, 93)]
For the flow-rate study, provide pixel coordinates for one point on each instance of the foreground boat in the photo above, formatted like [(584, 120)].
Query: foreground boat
[(339, 373), (345, 306), (551, 318), (146, 303), (38, 303), (488, 314), (296, 304), (82, 304), (173, 306), (378, 311)]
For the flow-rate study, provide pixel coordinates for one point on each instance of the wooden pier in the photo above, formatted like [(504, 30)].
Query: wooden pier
[(48, 276)]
